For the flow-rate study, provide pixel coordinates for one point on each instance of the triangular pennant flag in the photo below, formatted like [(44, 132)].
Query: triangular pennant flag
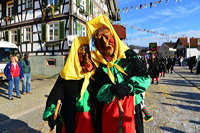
[(131, 8), (141, 6), (151, 5), (127, 10), (118, 10)]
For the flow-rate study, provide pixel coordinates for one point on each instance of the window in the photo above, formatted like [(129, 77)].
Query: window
[(10, 9), (52, 2), (29, 3), (27, 34), (53, 32), (14, 36), (81, 30)]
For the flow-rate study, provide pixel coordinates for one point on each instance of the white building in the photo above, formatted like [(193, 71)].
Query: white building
[(41, 27), (187, 47), (167, 49)]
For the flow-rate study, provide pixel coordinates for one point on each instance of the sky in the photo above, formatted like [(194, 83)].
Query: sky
[(164, 22)]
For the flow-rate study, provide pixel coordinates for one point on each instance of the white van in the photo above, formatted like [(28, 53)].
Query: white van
[(7, 49)]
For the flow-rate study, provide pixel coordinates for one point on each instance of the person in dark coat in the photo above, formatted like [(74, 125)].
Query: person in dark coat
[(74, 88), (155, 70), (170, 65), (162, 67), (198, 67), (192, 63)]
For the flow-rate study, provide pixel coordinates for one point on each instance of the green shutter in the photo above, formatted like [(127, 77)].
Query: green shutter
[(3, 9), (43, 33), (78, 3), (6, 36), (19, 36), (15, 7), (61, 1), (91, 7), (87, 7), (62, 30), (44, 2)]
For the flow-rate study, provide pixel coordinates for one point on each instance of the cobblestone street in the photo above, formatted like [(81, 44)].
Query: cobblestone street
[(174, 104)]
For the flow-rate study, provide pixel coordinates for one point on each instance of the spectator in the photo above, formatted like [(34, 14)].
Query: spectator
[(198, 67), (155, 71), (162, 67), (27, 74), (14, 73), (181, 61), (192, 62), (170, 65)]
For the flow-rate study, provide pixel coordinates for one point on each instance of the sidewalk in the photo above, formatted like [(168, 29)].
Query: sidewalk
[(192, 78)]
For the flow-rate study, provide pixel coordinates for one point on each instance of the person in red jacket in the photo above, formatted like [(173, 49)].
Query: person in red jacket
[(14, 73)]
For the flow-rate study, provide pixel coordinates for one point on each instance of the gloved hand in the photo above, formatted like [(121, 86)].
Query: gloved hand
[(51, 122), (120, 90)]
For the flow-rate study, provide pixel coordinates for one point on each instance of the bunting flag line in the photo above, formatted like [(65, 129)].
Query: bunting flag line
[(142, 6), (148, 31)]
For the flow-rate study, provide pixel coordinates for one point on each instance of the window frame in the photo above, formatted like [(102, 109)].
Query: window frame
[(29, 33), (14, 36), (10, 8), (28, 3), (53, 2), (53, 28)]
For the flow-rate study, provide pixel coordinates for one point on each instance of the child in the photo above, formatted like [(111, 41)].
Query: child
[(147, 117)]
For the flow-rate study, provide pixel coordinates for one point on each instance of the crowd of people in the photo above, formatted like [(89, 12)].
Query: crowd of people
[(15, 71)]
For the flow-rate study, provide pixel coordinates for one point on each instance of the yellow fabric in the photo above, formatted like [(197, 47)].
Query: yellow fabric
[(72, 69), (120, 47)]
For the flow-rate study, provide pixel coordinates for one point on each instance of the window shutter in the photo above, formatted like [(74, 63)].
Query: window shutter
[(43, 33), (19, 36), (6, 36), (15, 7), (87, 7), (3, 9), (62, 30), (44, 3), (78, 3), (61, 1), (91, 7)]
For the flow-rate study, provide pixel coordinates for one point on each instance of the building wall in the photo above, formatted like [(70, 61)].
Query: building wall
[(40, 46), (44, 65), (192, 52)]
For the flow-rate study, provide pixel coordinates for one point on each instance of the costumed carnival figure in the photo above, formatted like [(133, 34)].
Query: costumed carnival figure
[(120, 79), (73, 87)]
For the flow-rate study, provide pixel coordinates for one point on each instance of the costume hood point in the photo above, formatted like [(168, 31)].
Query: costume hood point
[(120, 47), (72, 69)]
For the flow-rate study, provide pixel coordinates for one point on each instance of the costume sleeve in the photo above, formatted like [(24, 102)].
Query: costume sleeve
[(55, 94), (104, 94), (138, 84)]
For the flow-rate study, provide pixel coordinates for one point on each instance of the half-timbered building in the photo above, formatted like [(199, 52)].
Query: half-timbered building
[(41, 27)]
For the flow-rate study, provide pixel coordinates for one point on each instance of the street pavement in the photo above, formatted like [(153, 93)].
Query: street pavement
[(174, 103)]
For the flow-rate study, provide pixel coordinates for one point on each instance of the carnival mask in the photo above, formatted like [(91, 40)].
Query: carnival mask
[(84, 58), (105, 43)]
